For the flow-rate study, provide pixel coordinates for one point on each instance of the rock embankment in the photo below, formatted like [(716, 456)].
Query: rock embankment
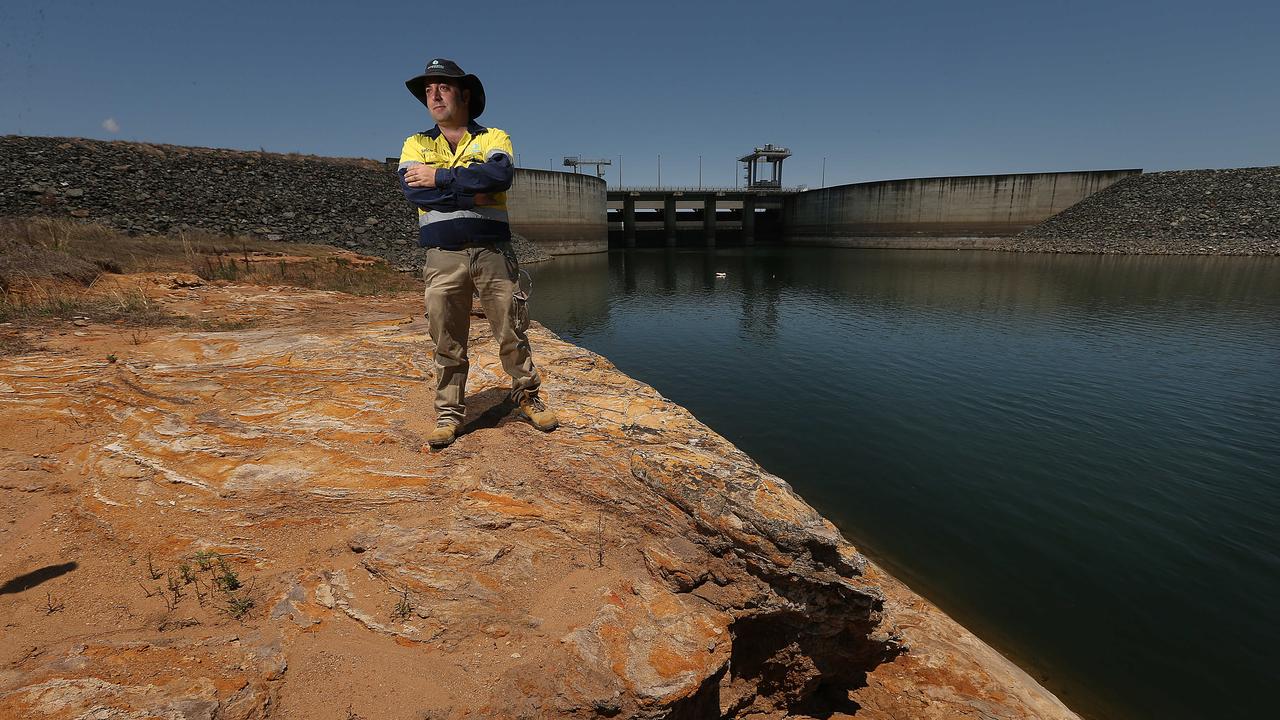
[(242, 525), (162, 189), (1184, 212)]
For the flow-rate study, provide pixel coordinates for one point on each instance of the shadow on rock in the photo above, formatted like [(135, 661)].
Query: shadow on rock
[(35, 577)]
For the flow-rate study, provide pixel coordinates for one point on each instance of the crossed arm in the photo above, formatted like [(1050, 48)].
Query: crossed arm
[(448, 189)]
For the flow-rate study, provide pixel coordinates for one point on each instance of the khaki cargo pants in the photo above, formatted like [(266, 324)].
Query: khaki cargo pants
[(451, 276)]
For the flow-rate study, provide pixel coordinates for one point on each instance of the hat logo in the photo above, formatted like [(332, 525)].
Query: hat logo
[(435, 63)]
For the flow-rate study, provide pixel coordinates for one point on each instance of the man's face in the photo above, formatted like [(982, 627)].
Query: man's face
[(448, 103)]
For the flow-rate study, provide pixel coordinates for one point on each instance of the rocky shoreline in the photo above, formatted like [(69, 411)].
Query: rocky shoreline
[(1184, 212), (631, 564), (142, 188)]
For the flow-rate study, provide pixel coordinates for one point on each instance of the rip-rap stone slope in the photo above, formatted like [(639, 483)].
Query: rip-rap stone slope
[(1184, 212)]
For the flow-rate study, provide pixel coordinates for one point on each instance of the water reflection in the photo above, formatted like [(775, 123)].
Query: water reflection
[(571, 293), (1049, 446)]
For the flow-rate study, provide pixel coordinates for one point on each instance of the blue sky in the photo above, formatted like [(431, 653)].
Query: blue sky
[(880, 89)]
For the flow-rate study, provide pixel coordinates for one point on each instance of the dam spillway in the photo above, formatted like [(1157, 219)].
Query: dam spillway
[(940, 212)]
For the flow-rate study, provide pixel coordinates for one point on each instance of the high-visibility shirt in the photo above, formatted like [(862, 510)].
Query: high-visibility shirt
[(482, 163)]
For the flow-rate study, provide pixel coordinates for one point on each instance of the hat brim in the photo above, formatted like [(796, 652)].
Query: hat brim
[(418, 88)]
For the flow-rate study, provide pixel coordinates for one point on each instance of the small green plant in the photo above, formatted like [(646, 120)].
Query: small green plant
[(174, 595), (175, 586), (403, 608), (204, 560), (212, 579), (238, 605), (152, 572), (225, 578), (111, 357)]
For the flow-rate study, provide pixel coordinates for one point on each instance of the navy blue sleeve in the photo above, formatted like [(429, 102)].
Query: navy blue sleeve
[(492, 176), (436, 198)]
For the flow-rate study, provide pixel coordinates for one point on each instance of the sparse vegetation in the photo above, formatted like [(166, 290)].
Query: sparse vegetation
[(237, 605), (225, 578), (403, 608), (204, 560), (52, 604), (50, 248), (152, 572), (49, 269), (210, 577), (11, 343), (44, 302), (175, 587)]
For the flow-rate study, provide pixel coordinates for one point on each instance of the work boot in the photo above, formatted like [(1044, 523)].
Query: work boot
[(442, 436), (539, 416)]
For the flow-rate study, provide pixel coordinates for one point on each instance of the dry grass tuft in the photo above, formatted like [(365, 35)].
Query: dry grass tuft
[(14, 344), (48, 268), (37, 302)]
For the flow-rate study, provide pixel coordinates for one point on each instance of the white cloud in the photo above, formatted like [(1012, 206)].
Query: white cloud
[(110, 125)]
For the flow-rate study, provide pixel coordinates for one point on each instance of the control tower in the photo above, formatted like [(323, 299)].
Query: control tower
[(770, 154)]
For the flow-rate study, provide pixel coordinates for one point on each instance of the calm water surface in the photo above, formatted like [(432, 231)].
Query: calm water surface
[(1077, 457)]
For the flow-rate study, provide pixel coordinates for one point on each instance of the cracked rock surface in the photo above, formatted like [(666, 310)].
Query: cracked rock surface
[(244, 525)]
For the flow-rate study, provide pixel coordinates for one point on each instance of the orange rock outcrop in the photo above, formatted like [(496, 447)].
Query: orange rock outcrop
[(243, 525)]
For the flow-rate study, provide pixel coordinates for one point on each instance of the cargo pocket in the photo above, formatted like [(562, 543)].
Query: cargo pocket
[(520, 309), (513, 263)]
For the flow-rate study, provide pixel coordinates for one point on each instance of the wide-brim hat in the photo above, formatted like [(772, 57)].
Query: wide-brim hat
[(448, 69)]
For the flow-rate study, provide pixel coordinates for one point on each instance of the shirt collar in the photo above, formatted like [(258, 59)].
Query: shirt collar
[(473, 127)]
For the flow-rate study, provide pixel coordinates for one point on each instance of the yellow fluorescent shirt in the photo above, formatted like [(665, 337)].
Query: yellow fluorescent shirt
[(480, 168)]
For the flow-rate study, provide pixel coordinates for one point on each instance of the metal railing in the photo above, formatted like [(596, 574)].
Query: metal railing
[(706, 189)]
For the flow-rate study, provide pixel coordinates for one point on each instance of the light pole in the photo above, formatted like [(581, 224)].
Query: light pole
[(699, 172), (659, 169), (619, 171), (824, 173)]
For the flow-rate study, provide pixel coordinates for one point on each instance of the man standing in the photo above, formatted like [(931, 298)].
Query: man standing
[(457, 174)]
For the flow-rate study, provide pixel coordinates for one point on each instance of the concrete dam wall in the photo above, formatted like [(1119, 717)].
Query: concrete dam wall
[(564, 213), (945, 212), (352, 203)]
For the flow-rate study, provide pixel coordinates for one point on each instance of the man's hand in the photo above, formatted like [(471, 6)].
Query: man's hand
[(420, 176)]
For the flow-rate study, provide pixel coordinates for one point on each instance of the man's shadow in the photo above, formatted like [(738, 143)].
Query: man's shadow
[(35, 577), (488, 409)]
